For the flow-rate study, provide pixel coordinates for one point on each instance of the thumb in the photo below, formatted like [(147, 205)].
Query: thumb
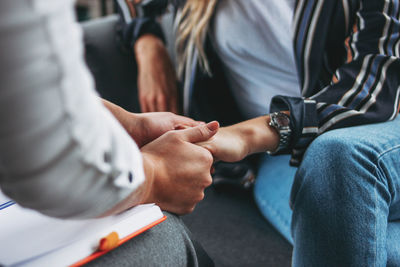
[(200, 133)]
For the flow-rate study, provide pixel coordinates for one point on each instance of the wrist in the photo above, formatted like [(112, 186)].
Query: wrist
[(146, 47), (142, 194), (259, 136), (124, 117), (280, 122), (132, 124), (149, 173), (136, 128)]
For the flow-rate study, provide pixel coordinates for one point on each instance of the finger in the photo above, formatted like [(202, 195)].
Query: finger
[(209, 146), (161, 103), (200, 133), (173, 104), (143, 105), (212, 170), (182, 120), (142, 94), (151, 104)]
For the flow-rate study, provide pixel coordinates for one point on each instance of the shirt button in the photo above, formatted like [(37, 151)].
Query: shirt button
[(107, 157), (130, 177)]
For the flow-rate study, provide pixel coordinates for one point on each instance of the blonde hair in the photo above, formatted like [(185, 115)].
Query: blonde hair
[(192, 28)]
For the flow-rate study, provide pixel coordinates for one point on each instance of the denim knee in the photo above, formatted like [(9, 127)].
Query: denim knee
[(343, 195), (333, 165)]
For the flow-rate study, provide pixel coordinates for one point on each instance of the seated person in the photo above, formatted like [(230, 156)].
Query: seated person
[(65, 155), (329, 70)]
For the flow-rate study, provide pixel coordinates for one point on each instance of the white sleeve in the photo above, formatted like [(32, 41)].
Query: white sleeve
[(61, 151)]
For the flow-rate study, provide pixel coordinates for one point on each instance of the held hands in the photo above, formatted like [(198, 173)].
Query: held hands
[(157, 80), (179, 169), (146, 127), (227, 145), (235, 142)]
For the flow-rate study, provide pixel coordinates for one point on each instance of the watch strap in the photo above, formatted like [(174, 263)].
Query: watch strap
[(281, 124)]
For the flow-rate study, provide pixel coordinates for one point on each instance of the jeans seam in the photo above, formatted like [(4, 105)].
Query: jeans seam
[(375, 224), (380, 155), (378, 170)]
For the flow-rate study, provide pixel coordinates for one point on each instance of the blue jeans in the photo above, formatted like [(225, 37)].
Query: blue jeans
[(345, 198)]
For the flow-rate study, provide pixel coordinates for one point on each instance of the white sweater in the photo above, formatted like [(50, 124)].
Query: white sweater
[(61, 151), (254, 41)]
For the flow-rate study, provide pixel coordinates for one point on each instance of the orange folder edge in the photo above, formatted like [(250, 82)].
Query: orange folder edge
[(98, 254)]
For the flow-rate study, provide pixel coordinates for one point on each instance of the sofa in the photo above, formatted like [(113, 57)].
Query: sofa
[(227, 222)]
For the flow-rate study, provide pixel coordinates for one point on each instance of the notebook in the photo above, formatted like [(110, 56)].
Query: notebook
[(29, 238)]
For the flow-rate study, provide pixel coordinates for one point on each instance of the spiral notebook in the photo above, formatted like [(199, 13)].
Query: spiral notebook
[(29, 238)]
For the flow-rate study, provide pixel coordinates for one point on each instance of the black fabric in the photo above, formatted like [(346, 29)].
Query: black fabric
[(138, 27), (212, 99), (152, 8), (145, 21)]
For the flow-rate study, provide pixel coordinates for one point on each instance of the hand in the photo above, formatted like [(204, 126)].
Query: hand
[(227, 145), (235, 142), (180, 170), (146, 127), (157, 80)]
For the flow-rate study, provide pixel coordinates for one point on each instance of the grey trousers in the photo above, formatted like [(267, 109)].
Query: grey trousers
[(167, 244)]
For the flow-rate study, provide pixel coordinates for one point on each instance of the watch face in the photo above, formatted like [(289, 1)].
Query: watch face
[(282, 119)]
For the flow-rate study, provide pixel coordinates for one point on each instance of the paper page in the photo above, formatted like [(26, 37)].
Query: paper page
[(26, 234)]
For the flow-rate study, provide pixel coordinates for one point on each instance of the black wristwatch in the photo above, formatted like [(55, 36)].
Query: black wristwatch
[(281, 123)]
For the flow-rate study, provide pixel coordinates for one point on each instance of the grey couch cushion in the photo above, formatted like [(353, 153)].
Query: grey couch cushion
[(113, 66), (234, 233)]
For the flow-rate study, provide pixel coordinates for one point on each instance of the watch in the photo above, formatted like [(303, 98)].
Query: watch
[(281, 123)]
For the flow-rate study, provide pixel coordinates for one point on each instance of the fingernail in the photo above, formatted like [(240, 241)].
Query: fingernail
[(213, 126)]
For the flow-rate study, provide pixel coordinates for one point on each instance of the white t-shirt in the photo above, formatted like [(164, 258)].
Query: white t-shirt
[(61, 150), (254, 41)]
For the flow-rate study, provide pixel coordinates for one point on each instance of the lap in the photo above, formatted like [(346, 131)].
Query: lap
[(349, 183), (167, 244), (380, 142), (353, 157), (376, 138)]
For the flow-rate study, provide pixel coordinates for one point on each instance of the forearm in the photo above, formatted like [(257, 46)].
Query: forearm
[(145, 48), (132, 123), (257, 135), (157, 80), (233, 143), (126, 119)]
